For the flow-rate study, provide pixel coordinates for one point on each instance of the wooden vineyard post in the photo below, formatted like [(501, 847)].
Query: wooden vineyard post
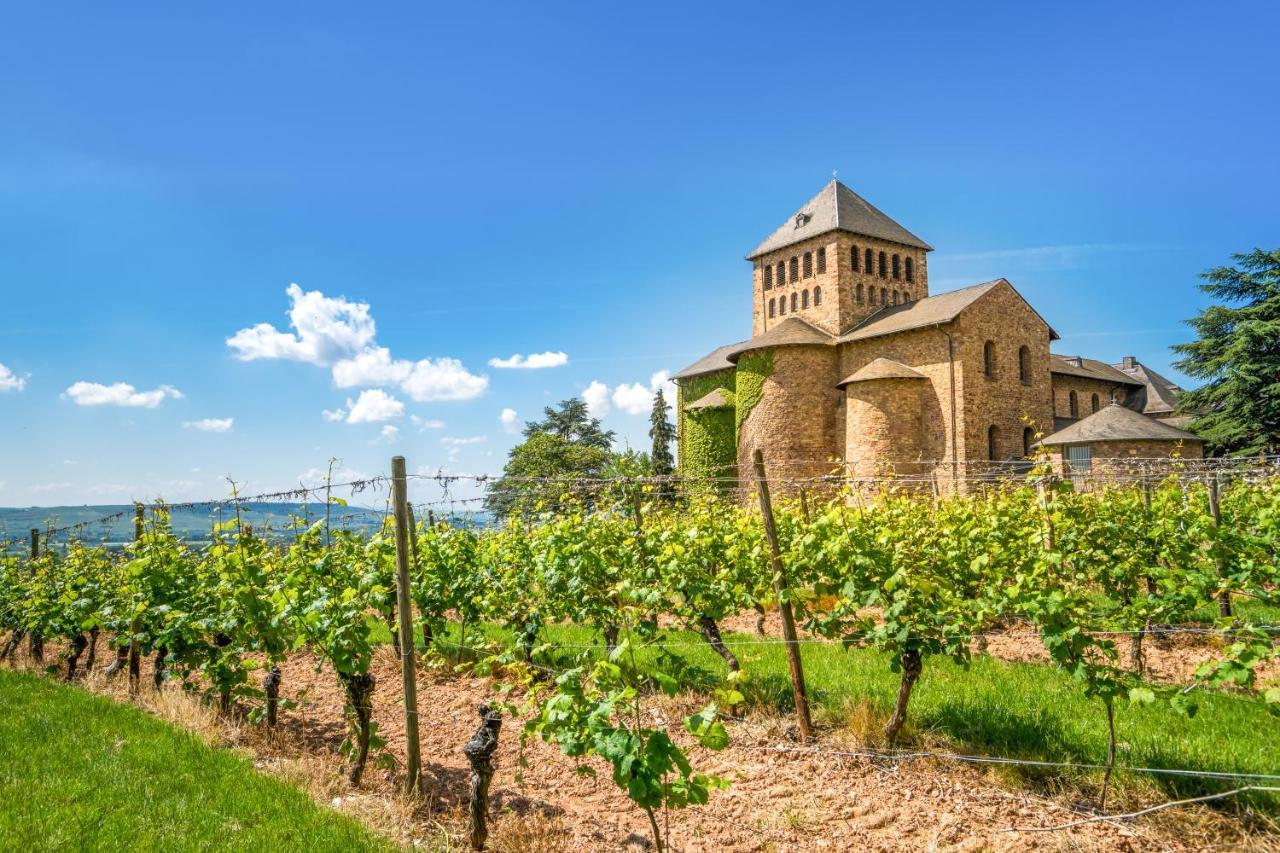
[(479, 752), (404, 624), (135, 648), (36, 641), (1215, 512), (784, 602)]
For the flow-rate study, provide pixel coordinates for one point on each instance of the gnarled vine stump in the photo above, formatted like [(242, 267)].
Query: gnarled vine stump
[(479, 751)]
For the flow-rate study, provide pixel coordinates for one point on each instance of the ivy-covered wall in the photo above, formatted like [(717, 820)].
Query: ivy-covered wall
[(707, 439), (753, 369)]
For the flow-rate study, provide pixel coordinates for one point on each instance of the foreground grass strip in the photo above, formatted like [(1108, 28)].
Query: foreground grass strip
[(80, 772)]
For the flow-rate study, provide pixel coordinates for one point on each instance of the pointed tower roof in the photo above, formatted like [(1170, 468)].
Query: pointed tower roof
[(881, 368), (837, 208)]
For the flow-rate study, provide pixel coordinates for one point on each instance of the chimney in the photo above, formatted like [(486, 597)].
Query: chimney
[(1129, 363)]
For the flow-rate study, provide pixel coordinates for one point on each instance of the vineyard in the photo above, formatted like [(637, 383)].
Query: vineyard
[(602, 605)]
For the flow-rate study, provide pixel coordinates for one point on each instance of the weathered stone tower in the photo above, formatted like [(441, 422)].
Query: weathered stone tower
[(834, 262)]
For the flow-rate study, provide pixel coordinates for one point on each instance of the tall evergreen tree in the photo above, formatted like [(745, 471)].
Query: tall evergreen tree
[(1237, 353), (663, 432), (572, 422)]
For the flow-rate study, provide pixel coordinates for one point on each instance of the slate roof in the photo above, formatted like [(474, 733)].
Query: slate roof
[(930, 311), (837, 208), (881, 368), (710, 363), (715, 400), (1089, 368), (791, 332), (1118, 423), (1157, 396)]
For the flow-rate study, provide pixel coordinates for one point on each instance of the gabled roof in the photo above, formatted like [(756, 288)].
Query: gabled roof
[(715, 400), (791, 332), (1089, 368), (837, 208), (930, 311), (710, 363), (1157, 396), (881, 368), (1118, 423)]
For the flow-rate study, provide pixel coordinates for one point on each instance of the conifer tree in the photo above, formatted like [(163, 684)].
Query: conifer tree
[(663, 432)]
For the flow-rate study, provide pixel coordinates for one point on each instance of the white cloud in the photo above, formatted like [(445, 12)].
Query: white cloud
[(455, 445), (314, 477), (534, 361), (119, 394), (325, 330), (210, 424), (388, 435), (10, 381), (340, 334), (443, 379), (634, 399), (373, 406), (422, 424), (596, 396), (42, 488), (510, 421), (333, 415)]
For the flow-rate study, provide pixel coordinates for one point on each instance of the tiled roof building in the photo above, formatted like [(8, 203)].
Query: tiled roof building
[(852, 360)]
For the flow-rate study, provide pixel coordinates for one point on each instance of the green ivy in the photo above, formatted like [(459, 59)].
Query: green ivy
[(753, 369), (701, 441)]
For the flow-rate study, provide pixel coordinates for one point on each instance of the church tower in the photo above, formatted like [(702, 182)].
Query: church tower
[(836, 261)]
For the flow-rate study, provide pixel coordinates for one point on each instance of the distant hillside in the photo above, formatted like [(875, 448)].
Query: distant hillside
[(191, 523)]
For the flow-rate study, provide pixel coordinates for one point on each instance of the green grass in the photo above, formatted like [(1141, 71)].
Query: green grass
[(993, 708), (80, 772)]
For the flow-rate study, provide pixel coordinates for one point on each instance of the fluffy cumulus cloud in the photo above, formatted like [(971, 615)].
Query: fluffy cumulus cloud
[(324, 330), (423, 424), (510, 421), (534, 361), (633, 398), (119, 394), (387, 435), (338, 334), (455, 445), (210, 424), (374, 406), (10, 381)]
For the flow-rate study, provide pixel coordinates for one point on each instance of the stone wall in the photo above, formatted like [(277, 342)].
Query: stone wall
[(794, 422), (1003, 399), (1065, 383), (883, 428), (840, 308), (1116, 459)]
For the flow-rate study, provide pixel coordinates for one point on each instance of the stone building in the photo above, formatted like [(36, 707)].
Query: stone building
[(1118, 442), (853, 362)]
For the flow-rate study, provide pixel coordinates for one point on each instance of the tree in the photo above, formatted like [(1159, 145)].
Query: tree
[(663, 432), (1237, 353), (558, 452), (573, 423)]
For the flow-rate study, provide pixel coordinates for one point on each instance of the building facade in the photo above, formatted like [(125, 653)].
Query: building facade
[(853, 362)]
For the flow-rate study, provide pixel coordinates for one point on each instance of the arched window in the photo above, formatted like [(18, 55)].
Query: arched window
[(911, 270), (853, 259), (768, 277), (895, 297), (804, 298), (795, 269), (782, 304), (884, 296), (793, 303), (858, 294), (897, 267), (1073, 402), (1094, 402), (1024, 364), (884, 267), (989, 359), (993, 441), (867, 266), (808, 264), (817, 296), (906, 297), (782, 273), (1028, 439), (771, 306), (822, 259)]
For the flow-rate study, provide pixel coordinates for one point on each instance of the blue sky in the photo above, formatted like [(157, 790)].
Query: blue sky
[(556, 178)]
